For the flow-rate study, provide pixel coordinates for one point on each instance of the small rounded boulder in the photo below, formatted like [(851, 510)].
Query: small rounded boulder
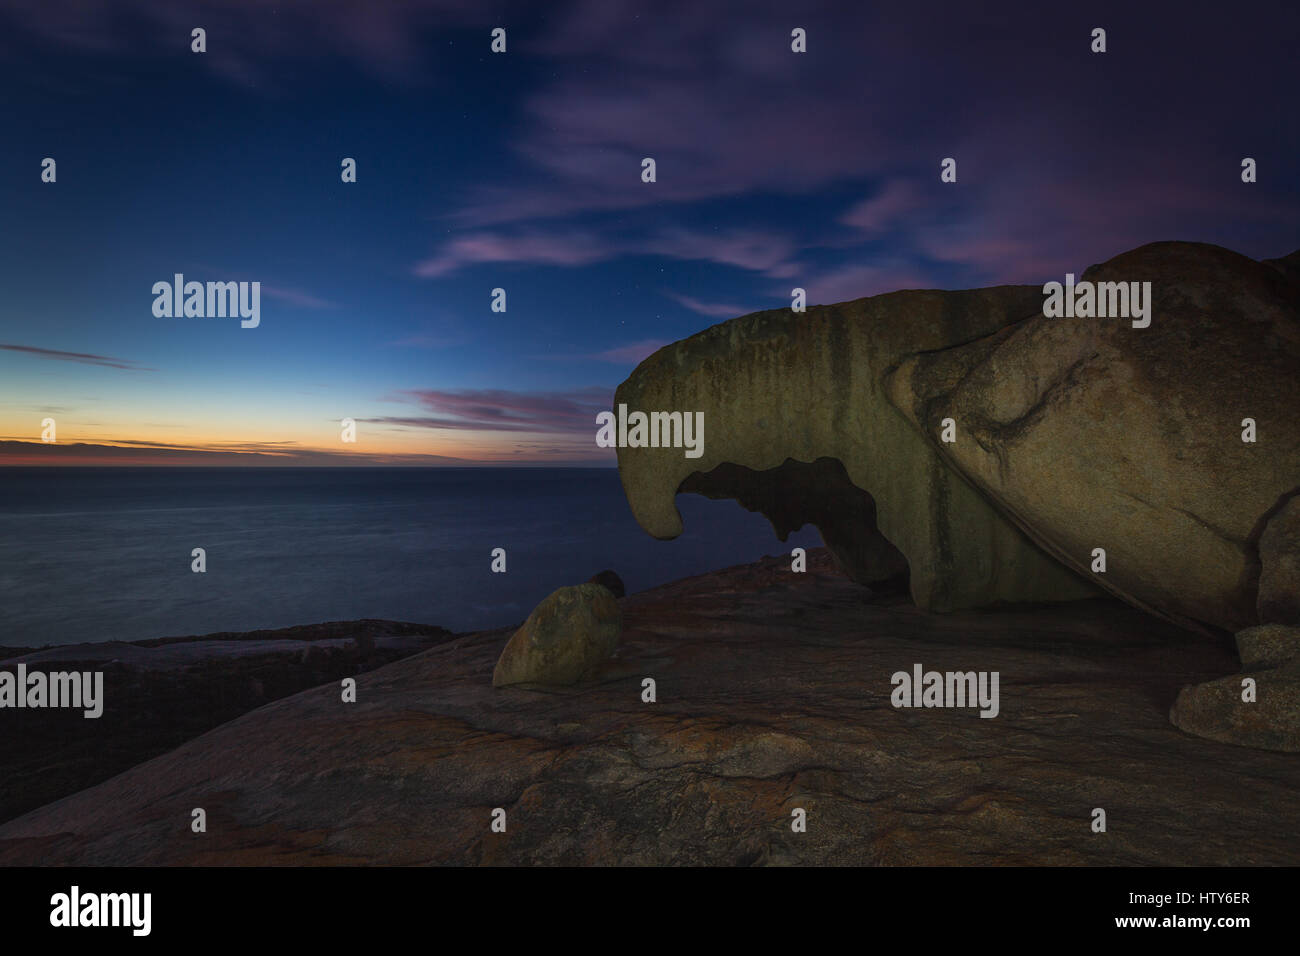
[(565, 638)]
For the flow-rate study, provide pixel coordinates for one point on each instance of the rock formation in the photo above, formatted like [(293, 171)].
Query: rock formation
[(566, 637), (1091, 433), (1070, 435), (779, 389)]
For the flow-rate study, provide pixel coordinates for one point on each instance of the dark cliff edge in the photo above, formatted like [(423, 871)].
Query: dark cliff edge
[(160, 693)]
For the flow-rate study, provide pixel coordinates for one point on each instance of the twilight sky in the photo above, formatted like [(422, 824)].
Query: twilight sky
[(522, 170)]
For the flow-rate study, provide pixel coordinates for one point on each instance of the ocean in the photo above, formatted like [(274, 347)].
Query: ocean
[(101, 554)]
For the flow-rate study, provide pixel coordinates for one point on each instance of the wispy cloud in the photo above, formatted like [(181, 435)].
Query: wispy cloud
[(85, 358), (733, 116), (884, 210), (291, 295), (503, 410), (226, 453), (557, 248), (857, 281), (631, 354), (762, 251), (718, 310), (756, 250)]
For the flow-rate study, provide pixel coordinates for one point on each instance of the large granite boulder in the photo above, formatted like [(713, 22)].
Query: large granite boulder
[(1093, 433), (781, 391)]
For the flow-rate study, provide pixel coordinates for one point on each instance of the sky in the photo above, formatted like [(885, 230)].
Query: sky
[(522, 170)]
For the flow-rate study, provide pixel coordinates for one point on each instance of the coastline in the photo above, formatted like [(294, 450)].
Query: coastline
[(773, 696)]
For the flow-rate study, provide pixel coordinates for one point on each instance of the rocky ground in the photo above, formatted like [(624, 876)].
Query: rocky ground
[(773, 694)]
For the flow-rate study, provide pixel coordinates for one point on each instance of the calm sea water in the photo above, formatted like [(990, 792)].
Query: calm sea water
[(98, 554)]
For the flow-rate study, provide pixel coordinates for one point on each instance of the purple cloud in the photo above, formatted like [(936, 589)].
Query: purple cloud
[(85, 358), (731, 113), (755, 250), (858, 281), (563, 248), (714, 310), (885, 209), (712, 91), (633, 354), (504, 410)]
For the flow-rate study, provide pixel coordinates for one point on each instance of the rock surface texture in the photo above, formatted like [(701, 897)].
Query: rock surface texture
[(773, 694)]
